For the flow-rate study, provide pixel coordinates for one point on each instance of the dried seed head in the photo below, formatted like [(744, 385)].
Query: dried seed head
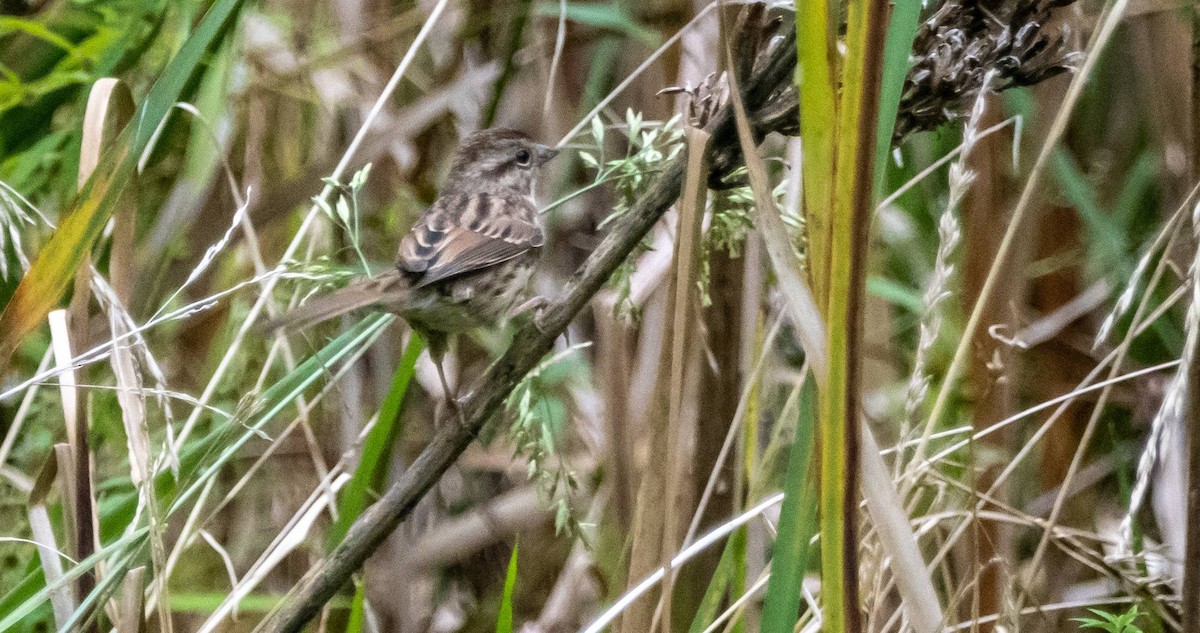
[(963, 40)]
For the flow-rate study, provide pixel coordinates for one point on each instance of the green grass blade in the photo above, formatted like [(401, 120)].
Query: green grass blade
[(358, 611), (732, 559), (178, 74), (818, 102), (906, 18), (797, 523), (377, 447), (504, 620), (134, 540)]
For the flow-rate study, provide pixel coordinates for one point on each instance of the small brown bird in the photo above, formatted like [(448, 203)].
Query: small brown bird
[(469, 259)]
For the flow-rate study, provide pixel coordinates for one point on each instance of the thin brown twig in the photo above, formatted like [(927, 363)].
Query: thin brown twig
[(1190, 594)]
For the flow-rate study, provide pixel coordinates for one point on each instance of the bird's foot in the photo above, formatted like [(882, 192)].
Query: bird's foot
[(451, 410), (535, 308)]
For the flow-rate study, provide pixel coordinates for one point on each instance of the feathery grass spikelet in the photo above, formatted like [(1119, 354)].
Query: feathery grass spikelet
[(12, 216), (210, 255), (1125, 300), (1169, 415), (949, 236)]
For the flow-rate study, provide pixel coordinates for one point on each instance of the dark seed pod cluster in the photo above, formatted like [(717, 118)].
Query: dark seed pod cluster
[(963, 40), (1019, 42)]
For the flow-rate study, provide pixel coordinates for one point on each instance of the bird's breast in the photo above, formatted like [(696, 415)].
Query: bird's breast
[(479, 299)]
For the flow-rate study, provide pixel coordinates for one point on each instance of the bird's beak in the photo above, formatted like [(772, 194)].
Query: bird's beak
[(545, 153)]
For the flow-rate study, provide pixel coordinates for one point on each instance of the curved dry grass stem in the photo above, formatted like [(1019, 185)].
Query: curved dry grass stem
[(560, 40), (604, 619)]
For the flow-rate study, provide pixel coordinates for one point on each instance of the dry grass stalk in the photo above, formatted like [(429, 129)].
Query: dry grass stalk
[(76, 460), (682, 395), (61, 600), (132, 599)]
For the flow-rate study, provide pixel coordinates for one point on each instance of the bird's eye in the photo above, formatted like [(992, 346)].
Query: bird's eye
[(523, 157)]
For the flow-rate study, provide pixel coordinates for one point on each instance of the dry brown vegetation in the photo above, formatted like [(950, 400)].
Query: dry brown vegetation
[(905, 341)]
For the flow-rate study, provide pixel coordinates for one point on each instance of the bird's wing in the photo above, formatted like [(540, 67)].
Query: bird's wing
[(464, 233)]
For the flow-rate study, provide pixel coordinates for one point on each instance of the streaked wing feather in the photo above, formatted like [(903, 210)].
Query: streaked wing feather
[(467, 251), (462, 234)]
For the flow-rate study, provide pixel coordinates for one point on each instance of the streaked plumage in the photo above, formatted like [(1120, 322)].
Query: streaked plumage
[(469, 259)]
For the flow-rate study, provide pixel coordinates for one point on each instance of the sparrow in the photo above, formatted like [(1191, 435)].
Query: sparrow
[(468, 260)]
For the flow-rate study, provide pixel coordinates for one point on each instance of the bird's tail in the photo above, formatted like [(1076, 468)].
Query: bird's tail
[(383, 292)]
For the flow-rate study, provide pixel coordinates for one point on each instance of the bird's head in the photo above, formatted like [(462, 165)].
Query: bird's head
[(497, 159)]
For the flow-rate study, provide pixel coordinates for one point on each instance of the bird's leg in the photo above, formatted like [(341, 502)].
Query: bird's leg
[(450, 397), (437, 353)]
